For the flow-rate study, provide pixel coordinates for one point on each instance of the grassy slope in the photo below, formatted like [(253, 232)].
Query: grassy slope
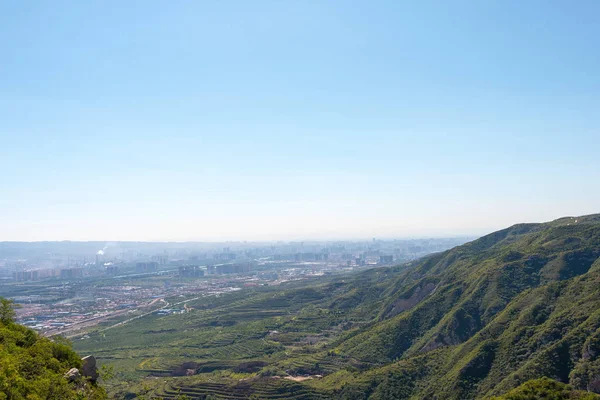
[(471, 322)]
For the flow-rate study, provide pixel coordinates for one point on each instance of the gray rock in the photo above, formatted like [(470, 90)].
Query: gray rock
[(88, 368), (73, 375)]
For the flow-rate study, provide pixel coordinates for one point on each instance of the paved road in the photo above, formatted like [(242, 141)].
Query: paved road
[(150, 312), (78, 326), (137, 316)]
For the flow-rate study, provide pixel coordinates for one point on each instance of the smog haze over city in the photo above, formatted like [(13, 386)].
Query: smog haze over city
[(299, 199)]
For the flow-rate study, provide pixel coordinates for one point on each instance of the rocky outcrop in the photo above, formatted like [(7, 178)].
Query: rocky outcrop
[(73, 375), (88, 368)]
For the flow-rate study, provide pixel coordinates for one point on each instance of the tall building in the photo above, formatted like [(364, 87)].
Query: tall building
[(190, 271), (112, 270), (386, 259), (142, 267), (233, 268), (70, 273)]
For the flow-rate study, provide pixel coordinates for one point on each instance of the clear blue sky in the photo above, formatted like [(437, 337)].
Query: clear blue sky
[(212, 120)]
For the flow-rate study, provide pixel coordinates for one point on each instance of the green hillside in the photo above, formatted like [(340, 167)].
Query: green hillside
[(32, 367), (548, 389), (473, 322)]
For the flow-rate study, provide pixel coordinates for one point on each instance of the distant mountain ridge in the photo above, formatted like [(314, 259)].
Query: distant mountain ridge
[(516, 304)]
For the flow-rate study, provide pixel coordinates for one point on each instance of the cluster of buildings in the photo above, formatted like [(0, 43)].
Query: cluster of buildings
[(386, 259), (196, 271), (303, 257), (97, 304), (191, 271), (144, 276), (36, 274), (144, 267), (33, 262), (224, 269)]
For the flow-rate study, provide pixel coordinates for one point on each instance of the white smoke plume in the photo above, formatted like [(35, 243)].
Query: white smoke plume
[(101, 252)]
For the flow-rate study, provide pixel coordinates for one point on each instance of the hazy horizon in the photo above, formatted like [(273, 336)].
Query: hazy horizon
[(266, 241), (212, 121)]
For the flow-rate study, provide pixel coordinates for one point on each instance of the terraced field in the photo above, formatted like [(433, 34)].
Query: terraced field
[(262, 388), (234, 346)]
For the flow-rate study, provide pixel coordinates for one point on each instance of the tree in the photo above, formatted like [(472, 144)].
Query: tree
[(7, 311)]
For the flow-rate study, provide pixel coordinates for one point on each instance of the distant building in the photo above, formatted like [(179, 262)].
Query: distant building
[(190, 271), (111, 270), (309, 256), (70, 273), (321, 257), (150, 266), (233, 268), (162, 259), (386, 259), (32, 275), (226, 256)]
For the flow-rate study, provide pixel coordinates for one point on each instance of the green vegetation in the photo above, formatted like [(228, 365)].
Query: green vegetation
[(7, 311), (32, 367), (548, 389), (473, 322)]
